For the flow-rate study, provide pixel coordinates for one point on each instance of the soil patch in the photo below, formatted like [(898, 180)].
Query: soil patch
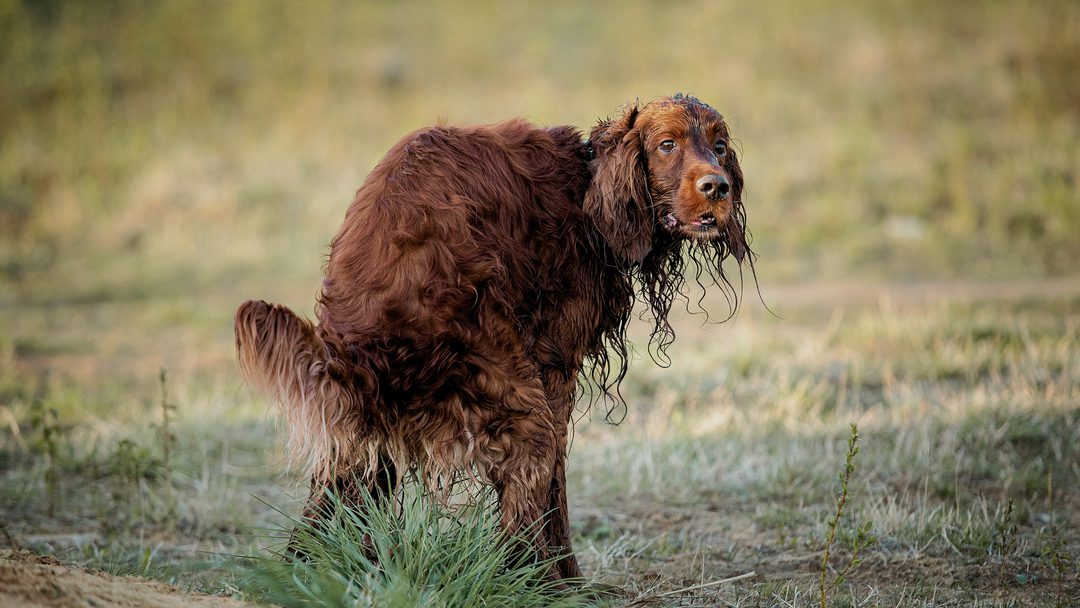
[(29, 580)]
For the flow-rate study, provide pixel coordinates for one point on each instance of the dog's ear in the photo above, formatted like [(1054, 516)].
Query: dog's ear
[(734, 171), (735, 231), (618, 197)]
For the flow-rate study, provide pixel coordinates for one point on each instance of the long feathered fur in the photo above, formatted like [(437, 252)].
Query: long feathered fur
[(480, 273)]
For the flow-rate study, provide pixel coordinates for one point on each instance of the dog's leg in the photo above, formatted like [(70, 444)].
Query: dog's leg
[(523, 480), (557, 530), (559, 383), (518, 442), (347, 485)]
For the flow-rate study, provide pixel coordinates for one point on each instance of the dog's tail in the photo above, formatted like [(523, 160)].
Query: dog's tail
[(282, 356)]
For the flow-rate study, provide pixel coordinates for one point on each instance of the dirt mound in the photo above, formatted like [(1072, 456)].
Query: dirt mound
[(33, 580)]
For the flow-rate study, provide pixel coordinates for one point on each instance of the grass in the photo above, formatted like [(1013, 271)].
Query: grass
[(943, 453), (725, 464), (862, 537), (419, 552), (159, 165)]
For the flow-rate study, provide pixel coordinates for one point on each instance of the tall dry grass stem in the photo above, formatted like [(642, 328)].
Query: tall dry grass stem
[(166, 437), (862, 539)]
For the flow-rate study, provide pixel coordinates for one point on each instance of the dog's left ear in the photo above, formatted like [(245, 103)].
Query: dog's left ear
[(735, 174), (618, 197), (735, 230)]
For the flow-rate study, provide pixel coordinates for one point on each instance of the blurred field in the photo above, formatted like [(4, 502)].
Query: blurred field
[(886, 139), (162, 161)]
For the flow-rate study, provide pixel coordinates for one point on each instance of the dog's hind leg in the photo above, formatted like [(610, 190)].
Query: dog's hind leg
[(358, 488), (349, 485)]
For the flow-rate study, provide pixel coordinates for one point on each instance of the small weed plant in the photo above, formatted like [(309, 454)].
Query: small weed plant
[(863, 537), (419, 552), (45, 421), (1055, 552), (166, 437), (132, 463), (1005, 541)]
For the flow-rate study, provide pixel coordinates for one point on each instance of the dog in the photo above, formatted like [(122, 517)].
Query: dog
[(483, 280)]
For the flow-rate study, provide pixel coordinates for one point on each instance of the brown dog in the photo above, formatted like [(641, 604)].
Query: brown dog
[(477, 271)]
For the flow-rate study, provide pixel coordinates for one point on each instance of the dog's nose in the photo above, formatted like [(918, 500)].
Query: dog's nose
[(714, 186)]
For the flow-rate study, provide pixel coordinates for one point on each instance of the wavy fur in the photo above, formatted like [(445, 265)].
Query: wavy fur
[(480, 273)]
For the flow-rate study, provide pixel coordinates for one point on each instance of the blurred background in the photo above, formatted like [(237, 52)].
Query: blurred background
[(176, 145), (162, 161)]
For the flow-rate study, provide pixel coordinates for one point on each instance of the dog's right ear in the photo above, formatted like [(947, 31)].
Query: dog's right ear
[(618, 196)]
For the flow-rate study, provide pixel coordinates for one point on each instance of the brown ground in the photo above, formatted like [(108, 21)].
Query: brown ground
[(31, 580), (734, 544)]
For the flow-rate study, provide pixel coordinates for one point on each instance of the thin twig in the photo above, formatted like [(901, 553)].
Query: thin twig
[(704, 585)]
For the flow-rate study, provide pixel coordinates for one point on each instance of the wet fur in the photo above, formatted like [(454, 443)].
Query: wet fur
[(480, 273)]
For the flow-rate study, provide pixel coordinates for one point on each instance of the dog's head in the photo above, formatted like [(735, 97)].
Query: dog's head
[(666, 167)]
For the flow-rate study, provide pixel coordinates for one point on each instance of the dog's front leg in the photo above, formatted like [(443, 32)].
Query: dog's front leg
[(557, 529), (523, 477)]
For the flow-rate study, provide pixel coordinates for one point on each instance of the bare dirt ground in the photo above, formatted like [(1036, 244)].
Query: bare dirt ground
[(28, 580)]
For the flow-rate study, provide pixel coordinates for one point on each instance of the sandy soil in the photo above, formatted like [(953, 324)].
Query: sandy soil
[(32, 580)]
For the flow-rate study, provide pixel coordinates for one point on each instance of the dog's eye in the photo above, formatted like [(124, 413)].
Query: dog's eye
[(667, 145), (721, 148)]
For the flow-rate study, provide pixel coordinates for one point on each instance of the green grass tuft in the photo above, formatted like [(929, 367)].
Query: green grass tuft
[(417, 552)]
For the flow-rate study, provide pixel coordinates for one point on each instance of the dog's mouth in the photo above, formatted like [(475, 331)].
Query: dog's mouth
[(707, 228), (705, 222)]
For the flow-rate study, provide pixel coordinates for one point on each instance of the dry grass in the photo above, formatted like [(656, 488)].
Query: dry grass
[(726, 463), (158, 165), (729, 459)]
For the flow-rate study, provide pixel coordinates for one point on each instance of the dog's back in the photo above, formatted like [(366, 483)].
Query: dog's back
[(450, 248)]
